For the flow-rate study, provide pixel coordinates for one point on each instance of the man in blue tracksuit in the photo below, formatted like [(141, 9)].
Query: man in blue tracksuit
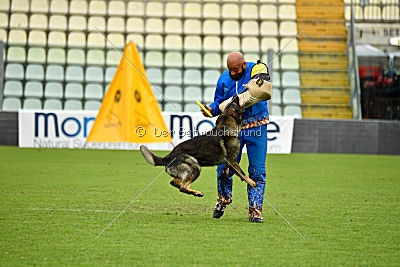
[(253, 135)]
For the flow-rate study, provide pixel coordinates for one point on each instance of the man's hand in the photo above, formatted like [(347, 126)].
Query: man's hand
[(204, 113)]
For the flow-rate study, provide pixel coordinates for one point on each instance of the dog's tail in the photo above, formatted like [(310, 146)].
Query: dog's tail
[(151, 158)]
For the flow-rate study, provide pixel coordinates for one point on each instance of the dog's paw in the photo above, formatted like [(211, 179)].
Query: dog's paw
[(198, 194), (251, 183)]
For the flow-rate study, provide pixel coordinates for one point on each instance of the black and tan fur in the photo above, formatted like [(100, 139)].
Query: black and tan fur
[(219, 145)]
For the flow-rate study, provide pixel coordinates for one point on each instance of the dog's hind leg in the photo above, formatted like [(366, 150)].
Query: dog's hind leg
[(185, 188), (194, 172), (176, 182)]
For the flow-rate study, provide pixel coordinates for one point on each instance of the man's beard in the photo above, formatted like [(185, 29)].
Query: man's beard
[(237, 76)]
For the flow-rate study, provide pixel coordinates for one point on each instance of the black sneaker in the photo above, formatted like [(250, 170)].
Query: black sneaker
[(218, 211), (256, 220)]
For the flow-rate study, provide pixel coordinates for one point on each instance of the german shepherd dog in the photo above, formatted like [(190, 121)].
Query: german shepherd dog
[(220, 144)]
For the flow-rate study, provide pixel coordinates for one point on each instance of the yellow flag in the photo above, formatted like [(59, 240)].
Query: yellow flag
[(129, 111)]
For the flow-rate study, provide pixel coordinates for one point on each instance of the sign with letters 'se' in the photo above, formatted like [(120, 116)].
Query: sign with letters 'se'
[(70, 129)]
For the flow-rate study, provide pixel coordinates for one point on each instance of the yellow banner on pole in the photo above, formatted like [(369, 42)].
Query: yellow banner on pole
[(129, 111)]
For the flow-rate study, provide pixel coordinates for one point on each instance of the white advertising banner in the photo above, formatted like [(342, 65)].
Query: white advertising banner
[(69, 129)]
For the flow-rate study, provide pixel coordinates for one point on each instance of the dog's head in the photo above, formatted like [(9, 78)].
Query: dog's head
[(233, 113)]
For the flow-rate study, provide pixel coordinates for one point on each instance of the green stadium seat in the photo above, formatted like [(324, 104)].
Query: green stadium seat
[(74, 74), (290, 62), (33, 89), (53, 90), (135, 8), (52, 104), (209, 94), (291, 96), (287, 12), (276, 96), (116, 8), (154, 75), (36, 55), (192, 43), (18, 21), (54, 73), (11, 104), (3, 20), (37, 38), (17, 37), (110, 72), (93, 91), (117, 40), (192, 26), (290, 79), (157, 92), (76, 56), (230, 11), (275, 79), (59, 6), (212, 60), (211, 11), (211, 27), (58, 39), (210, 77), (192, 10), (97, 8), (230, 44), (212, 43), (38, 22), (95, 40), (115, 24), (249, 28), (153, 25), (78, 7), (56, 56), (191, 107), (16, 54), (269, 28), (175, 107), (173, 26), (276, 110), (173, 10), (58, 23), (154, 59), (32, 104), (230, 27), (173, 60), (19, 6), (268, 12), (12, 88), (135, 25), (95, 57), (192, 60), (113, 58), (288, 28), (5, 6), (291, 110), (34, 72), (77, 23), (97, 23), (154, 41), (173, 93), (173, 76), (92, 105), (173, 42), (94, 74), (192, 77), (250, 44), (154, 9), (192, 93), (73, 91), (72, 105), (248, 10), (14, 72)]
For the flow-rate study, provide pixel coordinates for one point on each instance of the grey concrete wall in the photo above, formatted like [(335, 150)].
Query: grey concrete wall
[(344, 136), (309, 135), (8, 128)]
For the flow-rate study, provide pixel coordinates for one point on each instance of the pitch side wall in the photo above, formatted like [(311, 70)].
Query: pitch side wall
[(309, 136)]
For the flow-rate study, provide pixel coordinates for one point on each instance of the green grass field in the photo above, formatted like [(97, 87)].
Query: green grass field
[(55, 202)]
